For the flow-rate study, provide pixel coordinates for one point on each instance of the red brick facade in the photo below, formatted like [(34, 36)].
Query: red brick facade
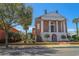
[(2, 33)]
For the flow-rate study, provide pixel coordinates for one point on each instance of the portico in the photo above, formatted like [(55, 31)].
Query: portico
[(55, 25), (52, 24)]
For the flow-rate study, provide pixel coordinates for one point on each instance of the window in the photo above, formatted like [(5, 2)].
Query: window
[(52, 28), (59, 26)]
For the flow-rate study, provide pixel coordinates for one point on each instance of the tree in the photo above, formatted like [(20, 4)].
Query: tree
[(2, 17), (76, 20), (13, 15), (10, 18), (25, 15), (63, 36), (47, 36)]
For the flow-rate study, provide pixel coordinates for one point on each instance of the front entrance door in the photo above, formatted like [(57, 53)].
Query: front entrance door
[(54, 38)]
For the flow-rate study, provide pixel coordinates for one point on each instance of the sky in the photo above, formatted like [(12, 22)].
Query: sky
[(68, 10)]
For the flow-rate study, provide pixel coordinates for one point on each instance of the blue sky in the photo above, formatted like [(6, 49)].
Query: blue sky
[(68, 10)]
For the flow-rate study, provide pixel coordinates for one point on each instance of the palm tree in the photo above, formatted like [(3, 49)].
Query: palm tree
[(75, 20)]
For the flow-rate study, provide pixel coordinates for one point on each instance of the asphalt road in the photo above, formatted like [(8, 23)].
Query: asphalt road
[(39, 51)]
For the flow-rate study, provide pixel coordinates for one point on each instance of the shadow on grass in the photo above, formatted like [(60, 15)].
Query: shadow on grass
[(34, 51), (43, 51)]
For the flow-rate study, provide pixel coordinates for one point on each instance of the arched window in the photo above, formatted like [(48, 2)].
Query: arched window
[(54, 37)]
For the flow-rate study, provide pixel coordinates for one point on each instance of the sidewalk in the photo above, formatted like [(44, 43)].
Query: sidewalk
[(46, 46), (59, 45)]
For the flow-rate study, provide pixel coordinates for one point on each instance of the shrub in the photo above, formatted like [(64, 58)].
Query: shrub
[(47, 36), (69, 38), (14, 37), (63, 36), (30, 35), (75, 38), (39, 39)]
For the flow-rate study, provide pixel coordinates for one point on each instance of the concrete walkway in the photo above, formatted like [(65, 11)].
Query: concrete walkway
[(47, 46)]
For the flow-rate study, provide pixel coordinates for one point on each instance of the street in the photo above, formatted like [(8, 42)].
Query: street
[(40, 51)]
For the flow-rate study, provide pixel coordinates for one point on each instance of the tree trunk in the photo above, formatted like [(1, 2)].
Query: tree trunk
[(6, 32), (77, 28), (6, 39), (26, 34)]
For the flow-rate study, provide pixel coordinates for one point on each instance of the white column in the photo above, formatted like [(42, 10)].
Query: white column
[(49, 26), (57, 29), (64, 26), (56, 26), (50, 30), (41, 26), (61, 26)]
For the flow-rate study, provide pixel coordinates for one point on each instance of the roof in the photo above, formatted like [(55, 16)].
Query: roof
[(52, 16), (14, 30)]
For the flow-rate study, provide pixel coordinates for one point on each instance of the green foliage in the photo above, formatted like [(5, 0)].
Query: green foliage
[(25, 15), (63, 36), (30, 35), (14, 37), (76, 20), (39, 39), (1, 27), (47, 36), (15, 14), (75, 38), (68, 36)]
